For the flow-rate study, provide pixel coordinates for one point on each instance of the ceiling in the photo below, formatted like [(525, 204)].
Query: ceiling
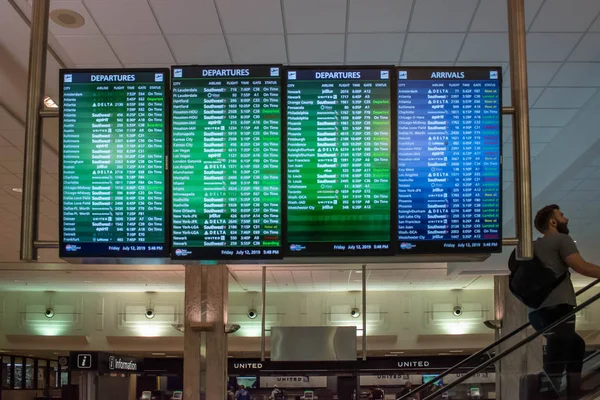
[(564, 76)]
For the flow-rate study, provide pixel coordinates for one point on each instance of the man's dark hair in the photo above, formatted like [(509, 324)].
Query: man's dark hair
[(542, 218)]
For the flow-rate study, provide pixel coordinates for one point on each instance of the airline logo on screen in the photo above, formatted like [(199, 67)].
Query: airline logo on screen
[(297, 247), (68, 78), (182, 252), (72, 248)]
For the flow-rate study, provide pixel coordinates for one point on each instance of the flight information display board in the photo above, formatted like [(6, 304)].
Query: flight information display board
[(113, 126), (339, 161), (226, 159), (449, 160)]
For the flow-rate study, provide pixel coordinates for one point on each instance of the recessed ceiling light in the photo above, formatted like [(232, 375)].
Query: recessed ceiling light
[(396, 352), (55, 354), (17, 190), (172, 356), (67, 18), (158, 354), (88, 281), (358, 280), (456, 351), (358, 272), (48, 102)]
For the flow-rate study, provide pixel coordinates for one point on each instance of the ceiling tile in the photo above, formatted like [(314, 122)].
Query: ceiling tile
[(551, 117), (250, 16), (578, 75), (7, 122), (379, 15), (141, 49), (543, 135), (584, 173), (88, 28), (565, 16), (485, 47), (589, 185), (533, 94), (565, 97), (199, 49), (374, 47), (538, 74), (4, 142), (89, 50), (315, 16), (588, 49), (124, 17), (257, 49), (316, 48), (442, 15), (14, 166), (491, 15), (580, 195), (596, 26), (432, 47), (11, 154), (550, 46), (186, 17), (535, 149)]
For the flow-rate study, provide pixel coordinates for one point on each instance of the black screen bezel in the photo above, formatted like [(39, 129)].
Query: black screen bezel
[(437, 246), (167, 189), (287, 252), (205, 253)]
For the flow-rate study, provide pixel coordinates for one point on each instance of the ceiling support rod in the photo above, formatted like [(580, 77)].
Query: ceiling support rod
[(518, 81), (38, 47)]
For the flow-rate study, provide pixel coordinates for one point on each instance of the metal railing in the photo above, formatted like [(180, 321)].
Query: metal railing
[(482, 351), (513, 348)]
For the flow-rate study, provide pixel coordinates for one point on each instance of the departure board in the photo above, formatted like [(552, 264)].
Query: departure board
[(449, 160), (339, 161), (226, 157), (113, 126)]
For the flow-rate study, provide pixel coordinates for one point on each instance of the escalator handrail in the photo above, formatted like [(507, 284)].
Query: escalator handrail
[(511, 349), (483, 351)]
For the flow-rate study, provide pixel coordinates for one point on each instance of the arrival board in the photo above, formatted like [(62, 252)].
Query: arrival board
[(339, 161), (226, 157), (449, 160), (113, 127)]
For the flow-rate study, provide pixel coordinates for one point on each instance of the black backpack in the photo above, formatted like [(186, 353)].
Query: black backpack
[(531, 282)]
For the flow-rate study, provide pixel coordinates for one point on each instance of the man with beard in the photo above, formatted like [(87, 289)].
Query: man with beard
[(557, 251)]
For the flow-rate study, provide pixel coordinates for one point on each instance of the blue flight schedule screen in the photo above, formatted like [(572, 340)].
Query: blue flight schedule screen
[(449, 160)]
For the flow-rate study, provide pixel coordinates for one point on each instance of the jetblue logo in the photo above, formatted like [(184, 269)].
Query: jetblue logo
[(84, 361)]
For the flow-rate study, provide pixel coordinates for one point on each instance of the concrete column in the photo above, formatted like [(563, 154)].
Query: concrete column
[(527, 359), (216, 340), (205, 351), (192, 339)]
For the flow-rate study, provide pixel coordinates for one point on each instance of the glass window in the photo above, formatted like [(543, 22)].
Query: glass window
[(6, 371), (41, 374), (64, 376), (29, 374), (54, 375), (18, 373)]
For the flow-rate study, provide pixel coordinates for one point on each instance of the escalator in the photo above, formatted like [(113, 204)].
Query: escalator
[(590, 374)]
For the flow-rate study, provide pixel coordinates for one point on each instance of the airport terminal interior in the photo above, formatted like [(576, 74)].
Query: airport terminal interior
[(290, 199)]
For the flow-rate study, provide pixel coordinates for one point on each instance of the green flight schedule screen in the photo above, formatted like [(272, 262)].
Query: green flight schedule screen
[(339, 161), (113, 126), (226, 162)]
